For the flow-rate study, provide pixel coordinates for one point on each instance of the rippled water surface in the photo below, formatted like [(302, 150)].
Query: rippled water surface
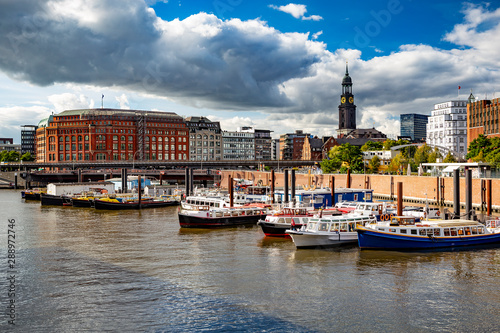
[(78, 269)]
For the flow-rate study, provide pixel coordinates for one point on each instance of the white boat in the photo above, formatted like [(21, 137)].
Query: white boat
[(329, 231)]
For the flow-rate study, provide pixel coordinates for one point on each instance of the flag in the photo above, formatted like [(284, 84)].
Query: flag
[(459, 87)]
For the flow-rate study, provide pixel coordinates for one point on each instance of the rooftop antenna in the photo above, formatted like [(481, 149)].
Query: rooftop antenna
[(102, 101)]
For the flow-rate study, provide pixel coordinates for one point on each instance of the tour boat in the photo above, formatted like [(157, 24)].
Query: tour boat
[(208, 212), (276, 223), (329, 231), (403, 233)]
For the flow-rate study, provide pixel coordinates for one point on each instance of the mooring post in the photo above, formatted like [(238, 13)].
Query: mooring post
[(186, 181), (285, 199), (272, 185), (139, 181), (468, 193), (400, 198), (231, 190), (292, 186), (332, 189), (488, 197), (348, 180), (456, 193)]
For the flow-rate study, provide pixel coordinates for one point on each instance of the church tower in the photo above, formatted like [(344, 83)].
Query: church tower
[(347, 109)]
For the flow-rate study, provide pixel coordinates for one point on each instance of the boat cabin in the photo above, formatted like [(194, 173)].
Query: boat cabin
[(451, 228), (402, 220), (336, 224)]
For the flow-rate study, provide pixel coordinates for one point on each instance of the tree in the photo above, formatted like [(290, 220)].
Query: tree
[(422, 154), (450, 158), (9, 156), (27, 157), (372, 145), (479, 145), (397, 162), (374, 164), (434, 155), (346, 155)]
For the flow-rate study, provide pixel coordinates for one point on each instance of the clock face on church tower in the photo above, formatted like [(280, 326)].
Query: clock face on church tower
[(342, 100), (351, 99)]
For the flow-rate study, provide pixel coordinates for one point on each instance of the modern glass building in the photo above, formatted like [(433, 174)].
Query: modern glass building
[(414, 125)]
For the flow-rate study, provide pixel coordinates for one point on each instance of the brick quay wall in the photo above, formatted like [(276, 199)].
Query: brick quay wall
[(415, 188)]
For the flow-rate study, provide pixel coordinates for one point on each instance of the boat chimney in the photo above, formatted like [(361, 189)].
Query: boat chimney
[(400, 198)]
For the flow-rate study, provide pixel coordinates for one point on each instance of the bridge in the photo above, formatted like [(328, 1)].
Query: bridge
[(225, 164)]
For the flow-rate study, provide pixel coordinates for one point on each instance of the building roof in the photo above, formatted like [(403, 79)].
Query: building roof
[(113, 112)]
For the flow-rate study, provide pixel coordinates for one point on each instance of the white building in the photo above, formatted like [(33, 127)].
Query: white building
[(238, 145), (385, 156), (447, 127)]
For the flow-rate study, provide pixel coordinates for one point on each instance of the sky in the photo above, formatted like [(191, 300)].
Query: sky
[(269, 64)]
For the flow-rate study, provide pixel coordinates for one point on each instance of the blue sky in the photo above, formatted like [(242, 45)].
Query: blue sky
[(269, 64)]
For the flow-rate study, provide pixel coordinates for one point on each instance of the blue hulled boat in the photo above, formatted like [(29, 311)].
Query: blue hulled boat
[(402, 233)]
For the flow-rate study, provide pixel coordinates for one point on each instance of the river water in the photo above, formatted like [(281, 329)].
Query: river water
[(79, 269)]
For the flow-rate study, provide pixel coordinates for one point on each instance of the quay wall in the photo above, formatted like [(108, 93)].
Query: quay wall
[(415, 188)]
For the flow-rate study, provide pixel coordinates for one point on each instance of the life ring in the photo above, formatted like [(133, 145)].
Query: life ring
[(391, 216), (438, 213), (384, 217)]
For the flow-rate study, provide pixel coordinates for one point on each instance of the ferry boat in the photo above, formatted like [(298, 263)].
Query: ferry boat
[(329, 231), (54, 200), (403, 233), (275, 224), (209, 212)]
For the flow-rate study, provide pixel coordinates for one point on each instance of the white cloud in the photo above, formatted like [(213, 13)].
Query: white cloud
[(317, 34), (288, 80), (296, 10)]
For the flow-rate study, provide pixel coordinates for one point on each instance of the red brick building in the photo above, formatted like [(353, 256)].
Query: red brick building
[(112, 134), (482, 118)]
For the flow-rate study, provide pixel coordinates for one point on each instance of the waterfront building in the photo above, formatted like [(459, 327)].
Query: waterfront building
[(6, 141), (205, 139), (291, 145), (275, 149), (447, 127), (112, 134), (238, 145), (347, 109), (414, 126), (262, 142), (483, 117), (385, 157), (328, 143), (28, 135), (312, 149), (9, 146)]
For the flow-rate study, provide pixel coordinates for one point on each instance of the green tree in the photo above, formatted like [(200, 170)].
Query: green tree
[(422, 154), (398, 162), (481, 144), (27, 157), (372, 145), (434, 155), (450, 158), (345, 155), (374, 164)]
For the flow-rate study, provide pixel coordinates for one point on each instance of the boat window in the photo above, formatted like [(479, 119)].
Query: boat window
[(392, 230), (343, 227), (323, 227), (288, 220), (467, 230), (446, 231), (453, 231), (334, 227), (460, 231), (474, 230), (296, 220), (403, 231), (352, 226), (430, 231), (281, 220), (480, 230), (413, 231), (437, 232), (311, 225), (422, 232), (382, 229)]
